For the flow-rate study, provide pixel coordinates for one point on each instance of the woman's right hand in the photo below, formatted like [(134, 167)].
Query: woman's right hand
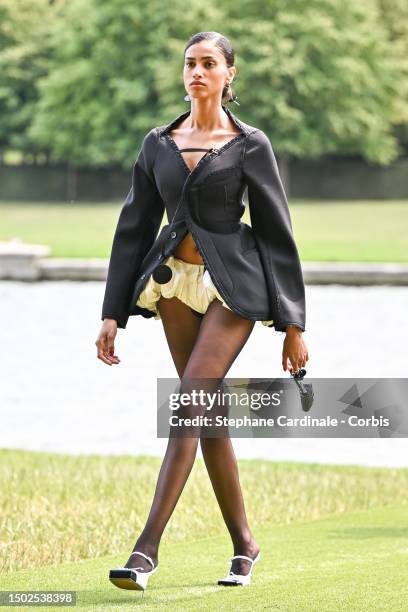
[(105, 342)]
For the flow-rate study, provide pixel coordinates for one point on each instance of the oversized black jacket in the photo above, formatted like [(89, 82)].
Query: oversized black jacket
[(256, 269)]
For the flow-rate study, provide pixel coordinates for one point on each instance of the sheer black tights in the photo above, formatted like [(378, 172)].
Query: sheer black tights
[(201, 347)]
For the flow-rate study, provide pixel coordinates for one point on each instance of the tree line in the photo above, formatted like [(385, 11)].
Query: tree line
[(82, 81)]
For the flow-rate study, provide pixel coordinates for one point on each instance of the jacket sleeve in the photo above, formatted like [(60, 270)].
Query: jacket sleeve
[(136, 230), (272, 225)]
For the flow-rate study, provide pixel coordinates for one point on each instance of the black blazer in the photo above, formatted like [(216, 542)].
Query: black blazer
[(256, 269)]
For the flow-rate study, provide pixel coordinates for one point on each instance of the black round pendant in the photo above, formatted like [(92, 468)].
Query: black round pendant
[(162, 274)]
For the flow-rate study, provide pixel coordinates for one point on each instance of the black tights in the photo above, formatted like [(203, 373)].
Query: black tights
[(201, 347)]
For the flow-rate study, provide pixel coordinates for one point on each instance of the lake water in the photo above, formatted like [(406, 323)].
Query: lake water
[(56, 395)]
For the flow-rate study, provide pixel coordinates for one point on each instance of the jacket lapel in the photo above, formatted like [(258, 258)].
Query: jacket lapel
[(195, 173), (240, 124)]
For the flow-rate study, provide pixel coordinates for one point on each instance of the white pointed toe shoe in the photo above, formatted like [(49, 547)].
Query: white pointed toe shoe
[(239, 579), (130, 578)]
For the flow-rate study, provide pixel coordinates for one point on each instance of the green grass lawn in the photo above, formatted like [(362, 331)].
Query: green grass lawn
[(351, 562), (332, 537), (371, 231)]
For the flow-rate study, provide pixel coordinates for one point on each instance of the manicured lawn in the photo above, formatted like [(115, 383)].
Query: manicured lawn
[(324, 231), (352, 561), (332, 537)]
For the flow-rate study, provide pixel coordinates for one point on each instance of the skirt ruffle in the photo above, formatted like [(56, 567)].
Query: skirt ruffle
[(190, 283)]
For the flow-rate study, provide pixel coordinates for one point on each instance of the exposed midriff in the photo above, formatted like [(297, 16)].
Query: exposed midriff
[(188, 251)]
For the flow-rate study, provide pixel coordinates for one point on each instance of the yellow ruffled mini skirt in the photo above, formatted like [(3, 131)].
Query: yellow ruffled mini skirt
[(191, 283)]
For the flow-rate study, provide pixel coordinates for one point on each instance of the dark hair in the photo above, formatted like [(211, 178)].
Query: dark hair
[(225, 46)]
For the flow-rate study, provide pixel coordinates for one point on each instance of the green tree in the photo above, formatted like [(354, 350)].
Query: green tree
[(23, 60), (319, 76), (394, 15), (114, 66)]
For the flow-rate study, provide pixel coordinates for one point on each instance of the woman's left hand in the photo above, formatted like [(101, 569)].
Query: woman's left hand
[(294, 349)]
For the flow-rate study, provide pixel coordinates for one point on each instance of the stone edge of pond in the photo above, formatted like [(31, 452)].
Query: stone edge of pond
[(35, 267)]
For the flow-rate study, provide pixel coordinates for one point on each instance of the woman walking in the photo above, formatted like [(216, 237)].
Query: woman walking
[(207, 276)]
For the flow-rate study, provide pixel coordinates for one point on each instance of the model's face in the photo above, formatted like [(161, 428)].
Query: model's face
[(204, 63)]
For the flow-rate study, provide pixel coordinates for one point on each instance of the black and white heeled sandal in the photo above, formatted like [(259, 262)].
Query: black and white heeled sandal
[(130, 578), (239, 579)]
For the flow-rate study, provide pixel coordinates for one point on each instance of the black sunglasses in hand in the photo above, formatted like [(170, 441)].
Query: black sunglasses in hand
[(305, 389)]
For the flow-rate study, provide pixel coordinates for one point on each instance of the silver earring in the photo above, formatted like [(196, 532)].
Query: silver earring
[(187, 98)]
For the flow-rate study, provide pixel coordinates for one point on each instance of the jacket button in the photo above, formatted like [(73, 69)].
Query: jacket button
[(143, 275), (173, 234)]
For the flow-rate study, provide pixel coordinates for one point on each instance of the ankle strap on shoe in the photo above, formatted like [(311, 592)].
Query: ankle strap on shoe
[(243, 557), (136, 552)]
